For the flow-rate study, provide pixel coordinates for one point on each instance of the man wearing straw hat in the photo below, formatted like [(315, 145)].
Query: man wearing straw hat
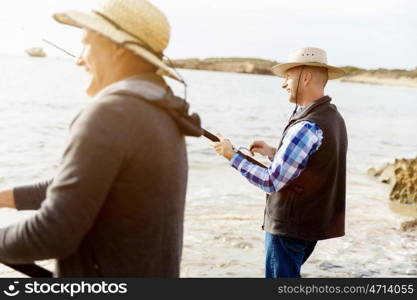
[(116, 205), (306, 181)]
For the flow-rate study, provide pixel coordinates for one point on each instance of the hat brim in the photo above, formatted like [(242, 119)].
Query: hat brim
[(96, 23), (281, 69)]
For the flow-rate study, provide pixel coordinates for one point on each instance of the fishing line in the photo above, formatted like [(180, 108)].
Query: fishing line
[(171, 64), (59, 48), (206, 133)]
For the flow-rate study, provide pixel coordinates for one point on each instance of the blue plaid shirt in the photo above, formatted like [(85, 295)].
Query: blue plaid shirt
[(300, 142)]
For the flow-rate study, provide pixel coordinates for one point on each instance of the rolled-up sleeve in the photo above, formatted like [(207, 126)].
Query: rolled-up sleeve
[(91, 161)]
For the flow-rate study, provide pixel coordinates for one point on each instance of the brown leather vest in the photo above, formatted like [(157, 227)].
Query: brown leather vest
[(312, 207)]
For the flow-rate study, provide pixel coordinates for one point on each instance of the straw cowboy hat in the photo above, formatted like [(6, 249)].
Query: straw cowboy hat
[(308, 56), (136, 24)]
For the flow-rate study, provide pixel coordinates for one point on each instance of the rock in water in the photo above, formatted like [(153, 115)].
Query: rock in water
[(402, 174), (409, 225), (405, 187), (36, 52), (386, 174)]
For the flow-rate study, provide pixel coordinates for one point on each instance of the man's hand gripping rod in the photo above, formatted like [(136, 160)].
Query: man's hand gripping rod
[(214, 138)]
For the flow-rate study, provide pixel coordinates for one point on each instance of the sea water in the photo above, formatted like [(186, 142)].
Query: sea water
[(223, 236)]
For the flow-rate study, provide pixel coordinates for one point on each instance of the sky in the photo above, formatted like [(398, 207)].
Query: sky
[(363, 33)]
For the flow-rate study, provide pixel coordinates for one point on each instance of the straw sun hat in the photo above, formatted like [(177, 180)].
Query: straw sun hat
[(308, 56), (135, 24)]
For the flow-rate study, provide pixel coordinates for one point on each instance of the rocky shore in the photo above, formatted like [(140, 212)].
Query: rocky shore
[(234, 65), (261, 66), (405, 188), (402, 176)]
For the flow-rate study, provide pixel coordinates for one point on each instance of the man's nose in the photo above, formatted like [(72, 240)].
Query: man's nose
[(284, 84), (79, 61)]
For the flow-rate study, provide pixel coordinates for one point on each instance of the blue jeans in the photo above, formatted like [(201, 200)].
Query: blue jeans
[(285, 256)]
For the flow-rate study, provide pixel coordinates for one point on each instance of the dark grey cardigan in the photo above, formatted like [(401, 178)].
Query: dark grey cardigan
[(116, 206)]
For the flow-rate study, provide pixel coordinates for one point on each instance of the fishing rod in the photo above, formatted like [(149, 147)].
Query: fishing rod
[(214, 138), (206, 133), (36, 271)]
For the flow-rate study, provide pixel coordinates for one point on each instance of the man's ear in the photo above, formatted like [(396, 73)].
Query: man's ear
[(118, 50), (307, 78)]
